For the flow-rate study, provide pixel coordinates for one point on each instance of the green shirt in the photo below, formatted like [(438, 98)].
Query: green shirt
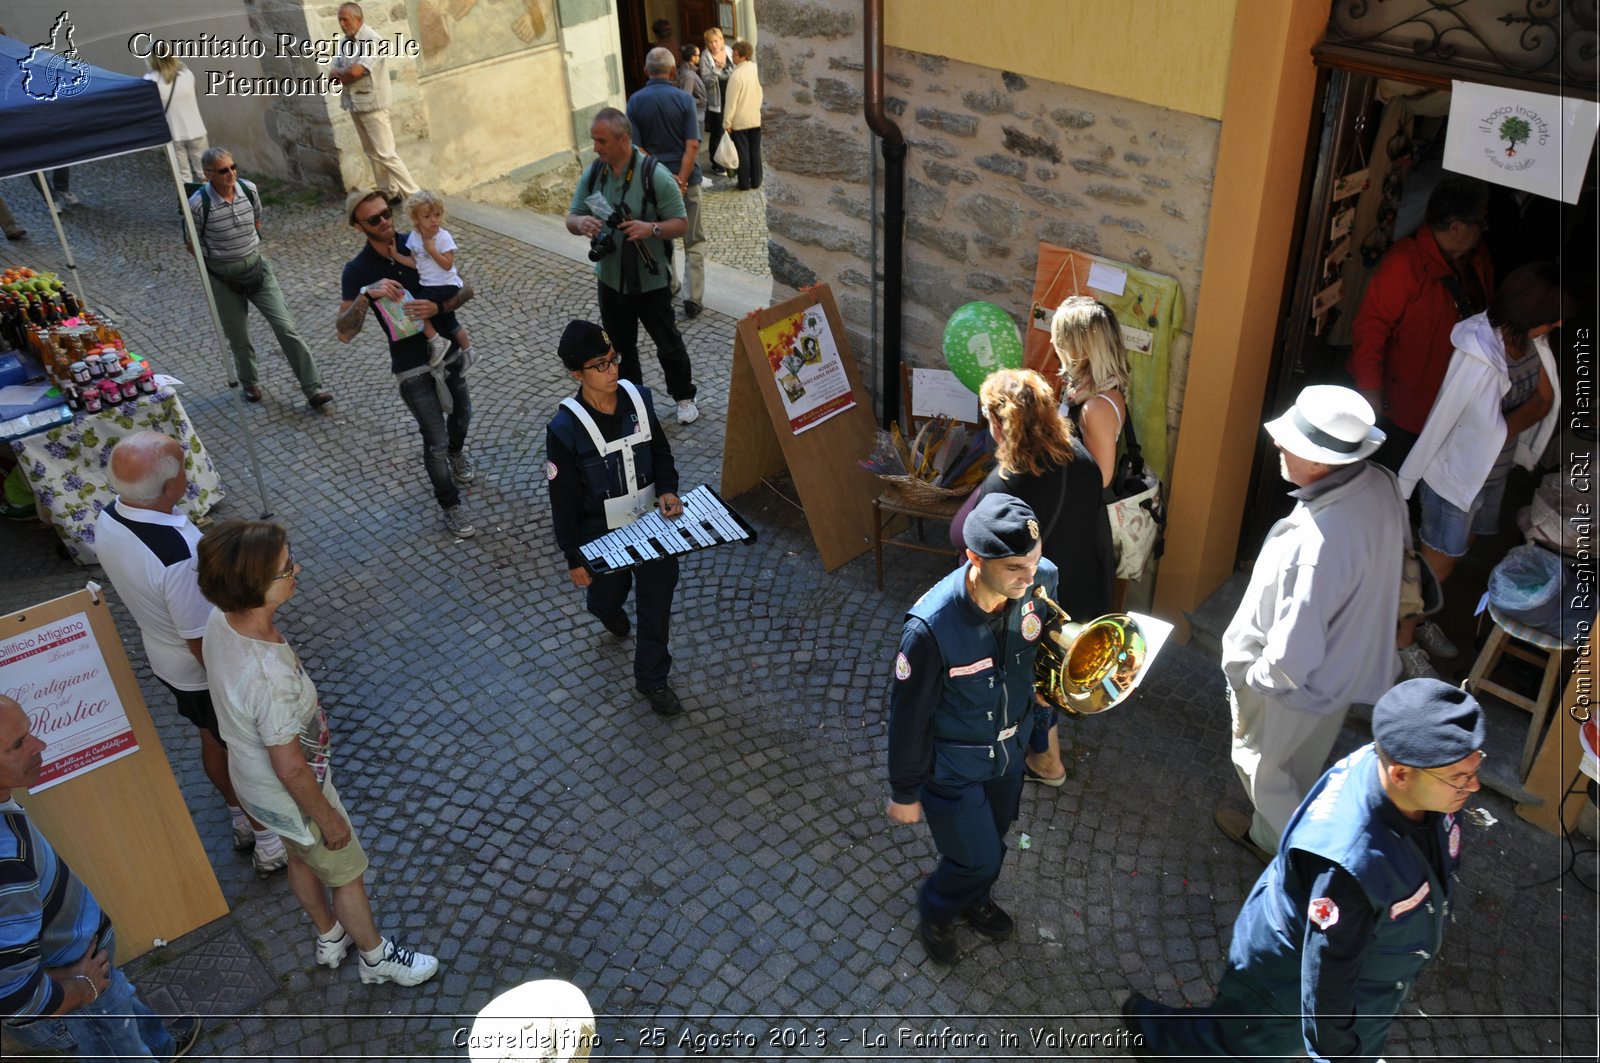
[(669, 204)]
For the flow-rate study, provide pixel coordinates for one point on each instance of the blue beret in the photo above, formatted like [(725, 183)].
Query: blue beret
[(1427, 724), (582, 342), (1001, 526)]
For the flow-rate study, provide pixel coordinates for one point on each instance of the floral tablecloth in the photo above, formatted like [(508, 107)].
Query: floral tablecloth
[(67, 466)]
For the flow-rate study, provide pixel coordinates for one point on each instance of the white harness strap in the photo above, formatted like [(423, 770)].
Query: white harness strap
[(624, 509)]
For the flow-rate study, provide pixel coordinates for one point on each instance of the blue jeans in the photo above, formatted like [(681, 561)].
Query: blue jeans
[(115, 1026), (441, 436)]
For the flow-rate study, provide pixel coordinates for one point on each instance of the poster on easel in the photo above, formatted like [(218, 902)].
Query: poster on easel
[(817, 438), (107, 799), (805, 362), (58, 675)]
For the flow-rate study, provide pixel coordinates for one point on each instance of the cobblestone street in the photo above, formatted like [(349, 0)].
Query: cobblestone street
[(731, 871)]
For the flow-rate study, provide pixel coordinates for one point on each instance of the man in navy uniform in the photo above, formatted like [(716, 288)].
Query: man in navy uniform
[(961, 711), (1344, 919), (609, 464)]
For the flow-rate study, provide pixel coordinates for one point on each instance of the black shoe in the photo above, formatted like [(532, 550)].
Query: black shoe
[(990, 920), (185, 1030), (939, 939), (691, 308), (394, 201), (617, 625), (1131, 1009), (662, 700)]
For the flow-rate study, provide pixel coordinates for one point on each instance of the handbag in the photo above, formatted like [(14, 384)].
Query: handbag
[(726, 155), (1134, 505)]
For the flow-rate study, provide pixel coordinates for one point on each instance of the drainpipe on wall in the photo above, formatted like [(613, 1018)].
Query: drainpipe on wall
[(894, 206)]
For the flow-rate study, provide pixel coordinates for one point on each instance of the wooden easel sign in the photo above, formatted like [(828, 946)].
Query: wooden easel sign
[(796, 401), (107, 801)]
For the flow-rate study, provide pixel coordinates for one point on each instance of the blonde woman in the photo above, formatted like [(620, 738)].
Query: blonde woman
[(716, 66), (1039, 460), (1094, 363), (176, 84)]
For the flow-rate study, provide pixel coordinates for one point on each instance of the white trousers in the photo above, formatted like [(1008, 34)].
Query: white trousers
[(377, 141), (1279, 754)]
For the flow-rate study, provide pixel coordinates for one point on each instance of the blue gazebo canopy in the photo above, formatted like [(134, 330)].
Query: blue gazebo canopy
[(57, 110)]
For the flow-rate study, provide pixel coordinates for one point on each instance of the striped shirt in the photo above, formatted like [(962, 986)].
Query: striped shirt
[(48, 917), (230, 234)]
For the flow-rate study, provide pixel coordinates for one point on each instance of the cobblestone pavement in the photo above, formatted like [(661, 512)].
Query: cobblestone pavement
[(731, 872), (736, 226)]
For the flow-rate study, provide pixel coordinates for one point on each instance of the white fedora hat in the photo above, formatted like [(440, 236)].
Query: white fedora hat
[(1328, 424)]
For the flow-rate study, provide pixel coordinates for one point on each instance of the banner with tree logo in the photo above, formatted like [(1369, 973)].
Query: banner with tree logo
[(1525, 140)]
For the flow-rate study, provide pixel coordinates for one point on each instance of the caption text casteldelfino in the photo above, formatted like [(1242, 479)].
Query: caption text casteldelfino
[(282, 46)]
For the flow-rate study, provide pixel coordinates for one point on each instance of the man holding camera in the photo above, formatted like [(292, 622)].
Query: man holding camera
[(628, 244)]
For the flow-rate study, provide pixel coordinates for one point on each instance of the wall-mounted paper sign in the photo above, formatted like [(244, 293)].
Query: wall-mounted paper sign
[(939, 391), (1343, 222), (1526, 140), (1327, 298), (1108, 279), (1336, 257), (1349, 185)]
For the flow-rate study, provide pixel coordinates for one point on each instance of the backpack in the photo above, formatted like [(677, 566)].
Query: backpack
[(647, 174)]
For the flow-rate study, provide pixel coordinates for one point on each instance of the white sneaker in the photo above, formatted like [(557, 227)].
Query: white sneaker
[(331, 953), (438, 347), (1414, 663), (68, 199), (1433, 639), (400, 965), (687, 411), (458, 523)]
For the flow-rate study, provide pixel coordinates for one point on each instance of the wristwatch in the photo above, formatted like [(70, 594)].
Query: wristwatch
[(655, 230), (366, 293)]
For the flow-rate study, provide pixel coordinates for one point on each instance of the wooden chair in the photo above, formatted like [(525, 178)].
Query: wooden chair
[(1511, 639), (893, 503)]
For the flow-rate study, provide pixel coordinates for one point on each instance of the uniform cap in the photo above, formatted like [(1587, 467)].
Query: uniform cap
[(582, 342), (1001, 526), (1426, 723)]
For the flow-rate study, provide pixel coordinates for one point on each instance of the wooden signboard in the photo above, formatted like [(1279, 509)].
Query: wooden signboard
[(112, 809), (795, 400)]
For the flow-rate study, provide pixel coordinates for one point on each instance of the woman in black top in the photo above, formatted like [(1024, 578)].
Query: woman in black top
[(1041, 461)]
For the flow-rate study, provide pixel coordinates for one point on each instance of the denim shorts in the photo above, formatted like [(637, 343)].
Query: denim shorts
[(1448, 529)]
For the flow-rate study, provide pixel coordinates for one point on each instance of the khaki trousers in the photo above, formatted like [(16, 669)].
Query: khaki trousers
[(377, 141), (1279, 753)]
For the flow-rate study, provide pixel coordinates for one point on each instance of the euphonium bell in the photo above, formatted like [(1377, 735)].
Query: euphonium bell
[(1085, 668)]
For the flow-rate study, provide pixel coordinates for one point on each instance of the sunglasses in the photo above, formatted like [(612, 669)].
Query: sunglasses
[(225, 169), (372, 219), (287, 573)]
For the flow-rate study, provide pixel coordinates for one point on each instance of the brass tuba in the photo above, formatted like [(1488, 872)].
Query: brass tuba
[(1082, 669)]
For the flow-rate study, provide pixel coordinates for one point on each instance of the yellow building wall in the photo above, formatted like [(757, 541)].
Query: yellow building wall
[(1170, 53)]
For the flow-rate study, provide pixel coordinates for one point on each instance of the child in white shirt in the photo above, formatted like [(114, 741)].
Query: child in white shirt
[(433, 254)]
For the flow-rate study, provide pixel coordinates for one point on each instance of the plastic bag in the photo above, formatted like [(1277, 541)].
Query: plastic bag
[(1526, 586)]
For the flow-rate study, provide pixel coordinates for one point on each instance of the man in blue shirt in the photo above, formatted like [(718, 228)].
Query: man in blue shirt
[(665, 124), (629, 247), (1336, 931)]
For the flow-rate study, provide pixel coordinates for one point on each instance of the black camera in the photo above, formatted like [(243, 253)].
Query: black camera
[(602, 245)]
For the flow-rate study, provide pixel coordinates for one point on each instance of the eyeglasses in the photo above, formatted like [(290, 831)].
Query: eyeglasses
[(605, 365), (287, 573), (225, 169), (372, 219), (1467, 780)]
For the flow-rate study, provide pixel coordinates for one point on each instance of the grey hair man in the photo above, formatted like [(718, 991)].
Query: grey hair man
[(148, 550), (361, 68), (227, 217), (1315, 631), (664, 121)]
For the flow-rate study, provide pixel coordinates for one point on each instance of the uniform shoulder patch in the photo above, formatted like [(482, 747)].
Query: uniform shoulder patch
[(1323, 912), (1455, 840), (1031, 626), (549, 470), (902, 667)]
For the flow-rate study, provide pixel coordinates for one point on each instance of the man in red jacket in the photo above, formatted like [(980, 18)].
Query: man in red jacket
[(1427, 282)]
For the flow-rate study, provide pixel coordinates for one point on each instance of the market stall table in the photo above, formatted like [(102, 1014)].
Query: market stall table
[(67, 467)]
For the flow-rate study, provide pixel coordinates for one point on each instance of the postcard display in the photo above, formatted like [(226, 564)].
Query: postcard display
[(1149, 307), (796, 401), (106, 799)]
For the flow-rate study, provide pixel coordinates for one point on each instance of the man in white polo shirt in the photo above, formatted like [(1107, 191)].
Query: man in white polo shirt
[(147, 549)]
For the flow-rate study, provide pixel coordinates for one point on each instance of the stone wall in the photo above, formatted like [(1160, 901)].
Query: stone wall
[(996, 164)]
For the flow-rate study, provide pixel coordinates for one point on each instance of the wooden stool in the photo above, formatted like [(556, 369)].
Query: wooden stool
[(1525, 643), (892, 503)]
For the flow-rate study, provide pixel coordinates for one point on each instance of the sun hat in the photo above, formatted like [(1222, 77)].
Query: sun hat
[(1328, 424)]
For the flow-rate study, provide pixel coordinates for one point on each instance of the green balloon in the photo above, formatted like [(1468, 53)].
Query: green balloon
[(978, 339)]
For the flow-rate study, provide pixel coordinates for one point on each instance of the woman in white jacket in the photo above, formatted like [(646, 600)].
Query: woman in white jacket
[(176, 83), (1497, 406)]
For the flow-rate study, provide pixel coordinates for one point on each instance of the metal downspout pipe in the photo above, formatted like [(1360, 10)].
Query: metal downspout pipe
[(894, 205)]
